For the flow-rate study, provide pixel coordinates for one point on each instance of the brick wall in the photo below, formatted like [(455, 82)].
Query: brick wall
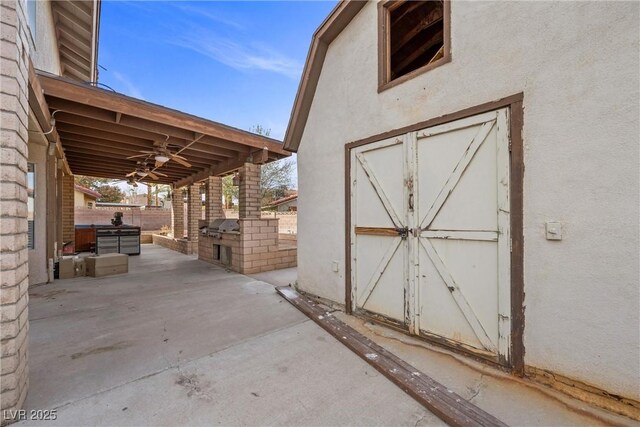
[(287, 224), (179, 245), (194, 211), (288, 221), (213, 199), (231, 240), (147, 219), (255, 249), (68, 206), (14, 267), (261, 250), (249, 191)]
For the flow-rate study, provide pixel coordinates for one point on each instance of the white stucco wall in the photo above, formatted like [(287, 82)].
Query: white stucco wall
[(577, 64), (44, 47), (38, 255)]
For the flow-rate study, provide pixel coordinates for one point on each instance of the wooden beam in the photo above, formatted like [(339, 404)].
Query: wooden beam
[(220, 169), (75, 58), (437, 38), (39, 105), (81, 110), (99, 156), (119, 172), (68, 18), (73, 113), (107, 125), (377, 231), (110, 101), (440, 400), (104, 137), (98, 159), (409, 6), (73, 40), (432, 18), (78, 9)]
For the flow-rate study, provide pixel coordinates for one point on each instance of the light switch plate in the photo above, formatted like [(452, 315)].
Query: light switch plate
[(553, 230)]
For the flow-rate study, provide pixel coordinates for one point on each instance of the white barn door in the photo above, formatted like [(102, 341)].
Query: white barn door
[(379, 210), (431, 232)]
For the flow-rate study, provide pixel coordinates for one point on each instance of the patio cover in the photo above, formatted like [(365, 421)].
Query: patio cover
[(99, 129)]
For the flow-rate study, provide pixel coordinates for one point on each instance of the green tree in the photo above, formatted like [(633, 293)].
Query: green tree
[(275, 177), (109, 192), (229, 191)]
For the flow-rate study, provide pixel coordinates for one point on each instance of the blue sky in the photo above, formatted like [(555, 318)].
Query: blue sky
[(238, 62)]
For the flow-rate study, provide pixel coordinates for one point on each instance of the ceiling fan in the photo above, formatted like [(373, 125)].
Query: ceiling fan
[(143, 171), (161, 155)]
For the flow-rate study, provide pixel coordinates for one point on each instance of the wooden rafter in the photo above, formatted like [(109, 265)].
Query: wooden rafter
[(99, 129)]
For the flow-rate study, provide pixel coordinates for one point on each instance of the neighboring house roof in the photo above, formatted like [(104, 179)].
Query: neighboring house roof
[(87, 191), (283, 200), (77, 24), (337, 21)]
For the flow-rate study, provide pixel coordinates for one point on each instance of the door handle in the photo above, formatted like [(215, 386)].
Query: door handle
[(410, 201)]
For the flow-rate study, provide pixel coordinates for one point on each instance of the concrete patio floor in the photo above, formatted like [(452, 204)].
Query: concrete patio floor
[(182, 342)]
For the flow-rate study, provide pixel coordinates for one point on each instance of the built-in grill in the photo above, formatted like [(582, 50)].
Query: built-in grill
[(220, 235), (220, 225)]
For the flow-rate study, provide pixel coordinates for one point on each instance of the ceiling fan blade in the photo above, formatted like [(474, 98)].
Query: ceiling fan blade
[(137, 155), (179, 160), (160, 173), (130, 174), (152, 175)]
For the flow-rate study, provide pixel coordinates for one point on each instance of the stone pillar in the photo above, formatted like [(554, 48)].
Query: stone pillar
[(14, 326), (177, 213), (249, 194), (194, 212), (213, 198), (68, 213)]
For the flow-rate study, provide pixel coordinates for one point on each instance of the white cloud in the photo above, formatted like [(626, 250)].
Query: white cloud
[(212, 16), (235, 54), (130, 88)]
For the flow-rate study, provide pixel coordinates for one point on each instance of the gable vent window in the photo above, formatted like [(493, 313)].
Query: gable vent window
[(414, 38)]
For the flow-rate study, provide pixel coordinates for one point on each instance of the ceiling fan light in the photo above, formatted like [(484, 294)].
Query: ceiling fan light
[(139, 173), (161, 158)]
